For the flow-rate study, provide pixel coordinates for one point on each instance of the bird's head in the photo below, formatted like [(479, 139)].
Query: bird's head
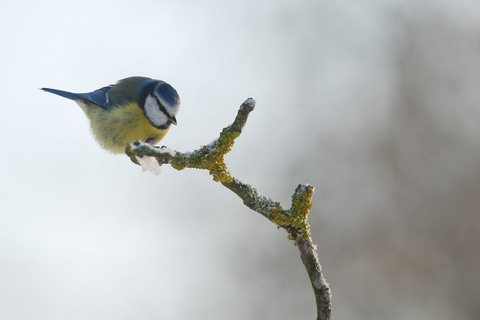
[(161, 103)]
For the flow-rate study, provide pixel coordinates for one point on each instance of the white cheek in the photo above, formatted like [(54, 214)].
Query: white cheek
[(152, 110)]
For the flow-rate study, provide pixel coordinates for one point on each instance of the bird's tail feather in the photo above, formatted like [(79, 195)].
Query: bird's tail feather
[(65, 94)]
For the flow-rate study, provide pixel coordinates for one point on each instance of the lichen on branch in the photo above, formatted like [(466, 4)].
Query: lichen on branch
[(209, 157), (294, 220)]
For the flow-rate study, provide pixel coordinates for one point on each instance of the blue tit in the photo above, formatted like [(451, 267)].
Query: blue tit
[(135, 108)]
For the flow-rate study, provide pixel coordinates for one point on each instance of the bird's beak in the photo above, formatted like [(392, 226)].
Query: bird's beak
[(173, 120)]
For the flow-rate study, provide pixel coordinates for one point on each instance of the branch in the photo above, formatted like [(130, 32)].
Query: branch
[(293, 220)]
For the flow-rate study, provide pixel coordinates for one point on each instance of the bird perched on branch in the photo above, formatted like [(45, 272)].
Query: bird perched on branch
[(135, 108)]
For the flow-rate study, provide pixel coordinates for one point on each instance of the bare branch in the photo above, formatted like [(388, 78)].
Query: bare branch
[(294, 220)]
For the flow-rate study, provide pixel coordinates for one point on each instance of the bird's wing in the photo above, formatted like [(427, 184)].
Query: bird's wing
[(126, 90), (98, 97)]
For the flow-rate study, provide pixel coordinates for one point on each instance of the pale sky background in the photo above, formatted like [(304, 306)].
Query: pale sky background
[(376, 103)]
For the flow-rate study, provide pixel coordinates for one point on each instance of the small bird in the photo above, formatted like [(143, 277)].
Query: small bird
[(135, 108)]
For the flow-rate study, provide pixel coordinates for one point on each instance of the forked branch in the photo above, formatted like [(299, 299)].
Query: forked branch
[(294, 220)]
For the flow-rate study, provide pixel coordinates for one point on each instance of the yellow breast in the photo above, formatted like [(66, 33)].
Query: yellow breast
[(116, 127)]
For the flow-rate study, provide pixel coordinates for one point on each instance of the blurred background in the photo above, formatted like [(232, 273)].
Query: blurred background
[(375, 103)]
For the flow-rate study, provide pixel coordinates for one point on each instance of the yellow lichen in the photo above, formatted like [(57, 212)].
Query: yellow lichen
[(295, 219), (211, 157)]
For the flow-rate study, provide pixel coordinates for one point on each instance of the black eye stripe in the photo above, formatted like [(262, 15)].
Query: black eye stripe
[(161, 107)]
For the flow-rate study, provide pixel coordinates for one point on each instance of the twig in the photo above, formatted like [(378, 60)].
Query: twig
[(293, 220)]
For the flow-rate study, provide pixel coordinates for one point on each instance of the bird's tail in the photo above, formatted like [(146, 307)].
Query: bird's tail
[(65, 94)]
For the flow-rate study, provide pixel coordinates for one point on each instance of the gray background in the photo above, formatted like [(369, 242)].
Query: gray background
[(375, 103)]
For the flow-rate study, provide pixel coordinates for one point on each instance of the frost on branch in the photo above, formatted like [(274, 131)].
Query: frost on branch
[(211, 157), (151, 163)]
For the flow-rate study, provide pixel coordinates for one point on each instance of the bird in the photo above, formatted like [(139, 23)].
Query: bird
[(135, 108)]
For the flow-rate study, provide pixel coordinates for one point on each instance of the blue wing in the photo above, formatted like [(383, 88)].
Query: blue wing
[(98, 97)]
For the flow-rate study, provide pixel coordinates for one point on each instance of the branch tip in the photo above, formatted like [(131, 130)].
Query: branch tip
[(250, 102)]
